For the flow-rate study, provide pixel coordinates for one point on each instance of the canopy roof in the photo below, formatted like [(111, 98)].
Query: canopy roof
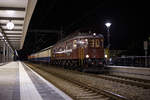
[(19, 12)]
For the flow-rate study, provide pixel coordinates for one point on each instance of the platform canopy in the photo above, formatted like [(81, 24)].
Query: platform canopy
[(19, 13)]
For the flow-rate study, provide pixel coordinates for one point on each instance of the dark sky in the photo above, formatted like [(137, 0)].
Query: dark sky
[(129, 22)]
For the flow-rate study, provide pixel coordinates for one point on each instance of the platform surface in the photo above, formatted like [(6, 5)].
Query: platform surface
[(1, 64), (131, 67), (19, 82)]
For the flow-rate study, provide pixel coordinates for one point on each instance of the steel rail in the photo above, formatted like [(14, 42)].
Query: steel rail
[(91, 88)]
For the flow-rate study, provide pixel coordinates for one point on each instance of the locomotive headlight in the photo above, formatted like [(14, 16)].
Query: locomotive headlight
[(106, 56), (87, 56), (86, 40), (75, 45)]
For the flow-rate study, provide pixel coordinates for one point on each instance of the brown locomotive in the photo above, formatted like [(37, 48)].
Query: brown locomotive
[(80, 50), (84, 51)]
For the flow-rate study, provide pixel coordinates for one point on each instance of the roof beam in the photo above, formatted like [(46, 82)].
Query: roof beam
[(14, 40), (13, 37), (12, 8), (2, 24), (13, 33), (12, 30), (11, 18)]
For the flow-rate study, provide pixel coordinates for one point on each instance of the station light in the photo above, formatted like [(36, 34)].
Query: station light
[(10, 25), (108, 24), (105, 55), (87, 56), (1, 34), (75, 45), (86, 40), (110, 59), (10, 12), (94, 34)]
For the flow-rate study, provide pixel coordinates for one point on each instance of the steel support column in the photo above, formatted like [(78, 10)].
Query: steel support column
[(4, 51), (8, 54)]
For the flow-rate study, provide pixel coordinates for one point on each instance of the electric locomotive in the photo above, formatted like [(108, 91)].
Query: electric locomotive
[(84, 51), (81, 50)]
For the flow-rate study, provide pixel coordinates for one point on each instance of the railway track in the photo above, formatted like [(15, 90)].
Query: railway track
[(125, 80), (91, 93), (131, 78), (86, 92)]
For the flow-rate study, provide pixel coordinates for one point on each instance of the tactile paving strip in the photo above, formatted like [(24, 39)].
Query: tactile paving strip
[(46, 92), (16, 89)]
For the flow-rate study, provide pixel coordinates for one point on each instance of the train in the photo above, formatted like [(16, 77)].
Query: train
[(81, 50)]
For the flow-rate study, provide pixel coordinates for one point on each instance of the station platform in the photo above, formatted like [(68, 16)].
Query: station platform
[(130, 71), (1, 64), (19, 82)]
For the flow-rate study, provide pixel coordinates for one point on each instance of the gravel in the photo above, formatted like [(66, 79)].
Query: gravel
[(131, 92)]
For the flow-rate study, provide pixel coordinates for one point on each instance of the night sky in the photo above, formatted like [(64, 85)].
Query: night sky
[(130, 22)]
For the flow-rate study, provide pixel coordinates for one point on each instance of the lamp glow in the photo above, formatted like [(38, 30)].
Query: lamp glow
[(86, 40), (87, 56), (108, 24), (106, 56), (0, 34), (10, 25), (94, 34)]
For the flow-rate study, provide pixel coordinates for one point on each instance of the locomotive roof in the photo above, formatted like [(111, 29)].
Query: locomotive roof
[(73, 35), (80, 34)]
